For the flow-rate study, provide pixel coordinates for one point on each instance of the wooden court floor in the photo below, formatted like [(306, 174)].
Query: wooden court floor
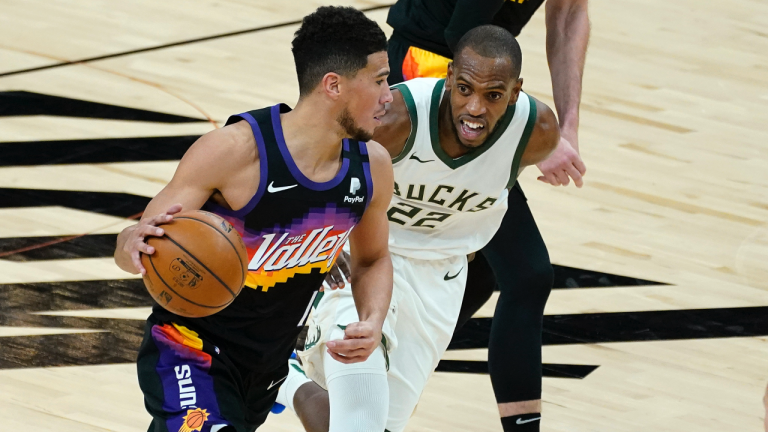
[(659, 319)]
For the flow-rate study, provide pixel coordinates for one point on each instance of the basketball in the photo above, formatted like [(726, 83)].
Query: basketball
[(199, 264), (195, 419)]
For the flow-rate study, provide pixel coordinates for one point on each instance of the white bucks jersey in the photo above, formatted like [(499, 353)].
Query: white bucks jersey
[(444, 207)]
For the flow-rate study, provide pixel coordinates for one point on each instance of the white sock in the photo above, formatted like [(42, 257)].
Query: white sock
[(358, 394), (290, 386)]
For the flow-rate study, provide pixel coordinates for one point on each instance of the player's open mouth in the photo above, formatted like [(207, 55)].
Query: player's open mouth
[(379, 116), (471, 130)]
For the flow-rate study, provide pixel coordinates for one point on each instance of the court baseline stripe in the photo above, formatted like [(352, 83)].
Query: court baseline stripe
[(173, 44)]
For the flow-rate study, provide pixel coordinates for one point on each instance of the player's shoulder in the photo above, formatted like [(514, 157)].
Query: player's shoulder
[(418, 91), (382, 174), (397, 113), (229, 147), (395, 125), (546, 121), (545, 135), (408, 96), (377, 154), (232, 141)]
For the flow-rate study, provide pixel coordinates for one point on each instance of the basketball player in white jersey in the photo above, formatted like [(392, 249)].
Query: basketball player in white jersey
[(457, 145)]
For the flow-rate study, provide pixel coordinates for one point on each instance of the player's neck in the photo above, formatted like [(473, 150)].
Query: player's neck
[(449, 141), (312, 134)]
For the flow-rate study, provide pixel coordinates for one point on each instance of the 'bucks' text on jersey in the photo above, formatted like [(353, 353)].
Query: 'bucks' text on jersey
[(442, 206)]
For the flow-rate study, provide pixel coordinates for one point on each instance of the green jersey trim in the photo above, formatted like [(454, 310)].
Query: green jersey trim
[(383, 343), (435, 135), (532, 113), (298, 369), (410, 104)]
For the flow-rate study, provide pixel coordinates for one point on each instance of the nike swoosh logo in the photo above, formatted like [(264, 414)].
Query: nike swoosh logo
[(272, 189), (274, 383), (521, 421), (454, 276), (419, 160)]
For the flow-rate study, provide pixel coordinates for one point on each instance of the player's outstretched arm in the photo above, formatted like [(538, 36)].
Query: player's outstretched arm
[(371, 266), (544, 138), (567, 39), (206, 167)]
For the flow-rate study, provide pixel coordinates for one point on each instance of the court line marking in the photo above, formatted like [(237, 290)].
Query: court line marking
[(138, 80), (64, 239), (169, 45)]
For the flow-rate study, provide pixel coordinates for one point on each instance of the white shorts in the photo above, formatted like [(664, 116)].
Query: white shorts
[(426, 300)]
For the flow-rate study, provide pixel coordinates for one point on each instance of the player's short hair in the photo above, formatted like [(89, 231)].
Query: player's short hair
[(334, 39), (493, 42)]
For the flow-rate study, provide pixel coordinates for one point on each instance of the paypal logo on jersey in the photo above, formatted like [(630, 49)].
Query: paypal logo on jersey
[(354, 185)]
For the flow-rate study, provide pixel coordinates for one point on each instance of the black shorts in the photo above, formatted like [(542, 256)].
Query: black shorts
[(190, 385)]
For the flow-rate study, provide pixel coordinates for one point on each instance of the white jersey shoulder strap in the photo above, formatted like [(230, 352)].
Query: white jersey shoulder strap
[(422, 98), (417, 94)]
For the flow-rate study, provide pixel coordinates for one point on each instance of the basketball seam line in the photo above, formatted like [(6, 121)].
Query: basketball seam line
[(174, 291), (242, 275), (201, 263)]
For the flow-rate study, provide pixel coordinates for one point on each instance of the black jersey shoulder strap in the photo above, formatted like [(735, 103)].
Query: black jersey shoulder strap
[(261, 146), (265, 123), (358, 154)]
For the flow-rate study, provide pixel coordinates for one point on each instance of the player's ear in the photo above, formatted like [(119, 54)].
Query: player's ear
[(516, 88), (330, 85), (449, 77)]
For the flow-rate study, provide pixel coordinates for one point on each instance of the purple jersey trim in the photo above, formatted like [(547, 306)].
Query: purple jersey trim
[(262, 174), (367, 170), (295, 171)]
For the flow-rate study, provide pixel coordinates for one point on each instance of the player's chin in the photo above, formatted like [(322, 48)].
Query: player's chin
[(473, 143), (372, 126), (369, 131)]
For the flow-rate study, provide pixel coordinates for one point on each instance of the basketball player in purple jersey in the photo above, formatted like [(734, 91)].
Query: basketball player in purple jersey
[(296, 184)]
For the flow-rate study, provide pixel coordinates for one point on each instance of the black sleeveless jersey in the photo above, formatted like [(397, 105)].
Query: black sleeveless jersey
[(437, 25), (293, 229)]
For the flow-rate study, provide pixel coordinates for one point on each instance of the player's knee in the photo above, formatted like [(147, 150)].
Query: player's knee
[(540, 279), (359, 402), (310, 397), (531, 287), (358, 394), (312, 407)]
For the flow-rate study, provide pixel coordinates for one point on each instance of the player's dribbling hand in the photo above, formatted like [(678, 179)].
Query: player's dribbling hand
[(360, 340), (563, 163), (135, 243), (334, 277)]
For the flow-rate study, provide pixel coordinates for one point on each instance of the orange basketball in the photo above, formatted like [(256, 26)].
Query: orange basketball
[(199, 264), (195, 419)]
